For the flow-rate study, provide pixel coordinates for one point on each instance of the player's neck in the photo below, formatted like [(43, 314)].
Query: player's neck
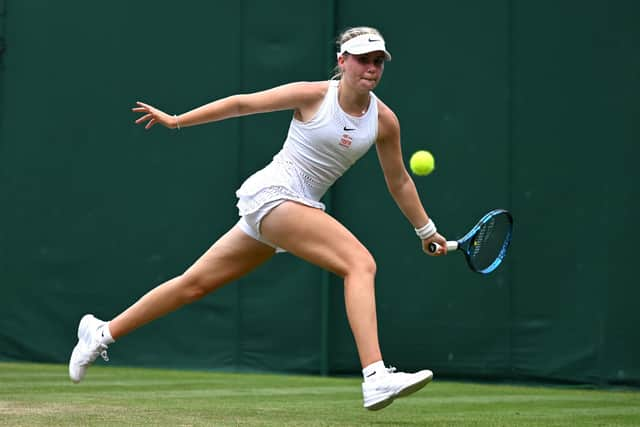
[(352, 102)]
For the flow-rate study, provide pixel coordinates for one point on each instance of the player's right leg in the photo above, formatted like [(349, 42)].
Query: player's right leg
[(231, 257)]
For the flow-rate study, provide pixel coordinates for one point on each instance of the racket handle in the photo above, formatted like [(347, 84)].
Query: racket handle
[(451, 246)]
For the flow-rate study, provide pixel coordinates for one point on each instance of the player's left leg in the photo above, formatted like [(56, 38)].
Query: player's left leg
[(316, 237)]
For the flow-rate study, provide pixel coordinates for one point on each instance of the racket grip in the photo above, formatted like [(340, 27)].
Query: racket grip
[(451, 246)]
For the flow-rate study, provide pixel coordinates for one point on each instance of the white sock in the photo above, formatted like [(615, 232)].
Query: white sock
[(105, 334), (374, 370)]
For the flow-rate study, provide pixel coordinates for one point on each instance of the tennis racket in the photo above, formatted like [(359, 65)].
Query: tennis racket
[(485, 245)]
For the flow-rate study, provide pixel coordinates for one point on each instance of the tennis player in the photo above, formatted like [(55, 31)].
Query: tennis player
[(334, 123)]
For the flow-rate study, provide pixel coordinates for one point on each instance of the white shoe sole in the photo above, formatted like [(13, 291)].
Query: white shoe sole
[(388, 400), (77, 373)]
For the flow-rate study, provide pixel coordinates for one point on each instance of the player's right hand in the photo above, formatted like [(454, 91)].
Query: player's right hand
[(153, 116)]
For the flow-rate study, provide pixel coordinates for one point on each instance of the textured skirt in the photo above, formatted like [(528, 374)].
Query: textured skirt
[(279, 180)]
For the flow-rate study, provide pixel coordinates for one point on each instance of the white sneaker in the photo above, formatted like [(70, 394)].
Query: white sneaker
[(380, 392), (90, 345)]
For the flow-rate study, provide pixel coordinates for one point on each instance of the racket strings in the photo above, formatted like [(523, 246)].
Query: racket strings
[(489, 243)]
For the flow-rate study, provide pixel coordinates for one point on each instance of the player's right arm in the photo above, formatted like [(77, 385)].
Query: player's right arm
[(302, 97)]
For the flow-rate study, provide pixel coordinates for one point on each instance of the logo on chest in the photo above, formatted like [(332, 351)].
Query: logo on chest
[(346, 140)]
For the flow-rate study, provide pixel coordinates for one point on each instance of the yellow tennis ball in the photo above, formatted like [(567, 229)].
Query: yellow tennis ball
[(422, 163)]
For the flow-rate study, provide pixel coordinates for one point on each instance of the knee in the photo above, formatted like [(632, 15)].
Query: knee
[(363, 265)]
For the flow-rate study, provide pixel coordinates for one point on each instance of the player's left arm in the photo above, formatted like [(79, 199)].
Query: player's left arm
[(399, 182)]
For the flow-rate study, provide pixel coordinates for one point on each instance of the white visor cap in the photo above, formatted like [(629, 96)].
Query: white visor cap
[(365, 43)]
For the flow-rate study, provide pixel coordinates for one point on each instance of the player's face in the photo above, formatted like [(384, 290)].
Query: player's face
[(364, 71)]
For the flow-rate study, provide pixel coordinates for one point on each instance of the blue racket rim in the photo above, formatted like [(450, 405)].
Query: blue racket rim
[(503, 249)]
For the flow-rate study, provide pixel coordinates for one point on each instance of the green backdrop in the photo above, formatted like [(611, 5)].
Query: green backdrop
[(531, 106)]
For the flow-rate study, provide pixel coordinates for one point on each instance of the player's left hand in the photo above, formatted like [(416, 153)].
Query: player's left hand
[(437, 239)]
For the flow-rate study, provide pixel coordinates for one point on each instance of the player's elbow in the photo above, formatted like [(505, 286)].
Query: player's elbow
[(397, 183), (238, 105)]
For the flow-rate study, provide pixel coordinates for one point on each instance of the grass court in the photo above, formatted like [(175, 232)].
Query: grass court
[(42, 395)]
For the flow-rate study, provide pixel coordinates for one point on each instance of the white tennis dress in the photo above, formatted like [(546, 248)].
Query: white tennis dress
[(314, 155)]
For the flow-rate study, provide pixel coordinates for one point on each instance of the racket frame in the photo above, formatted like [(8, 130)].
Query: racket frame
[(459, 244)]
